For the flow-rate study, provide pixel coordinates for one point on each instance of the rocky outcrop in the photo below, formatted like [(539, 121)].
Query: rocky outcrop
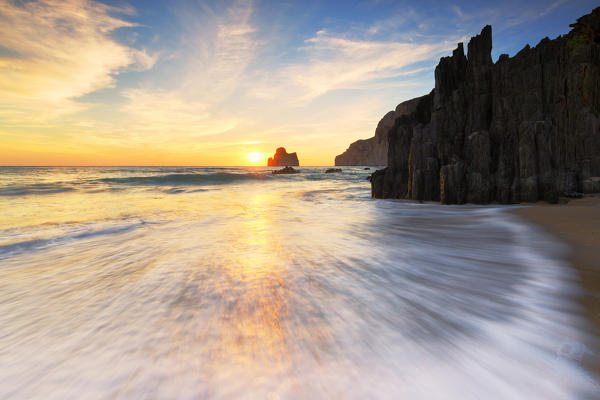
[(364, 152), (374, 151), (524, 128), (283, 159), (285, 170)]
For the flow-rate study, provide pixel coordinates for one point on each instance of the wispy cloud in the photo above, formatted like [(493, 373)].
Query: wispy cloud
[(458, 11), (533, 14), (393, 23), (60, 50), (165, 112), (217, 49), (552, 6), (214, 57), (333, 62)]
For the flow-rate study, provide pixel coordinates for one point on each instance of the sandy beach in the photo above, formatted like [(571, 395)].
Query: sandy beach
[(577, 223)]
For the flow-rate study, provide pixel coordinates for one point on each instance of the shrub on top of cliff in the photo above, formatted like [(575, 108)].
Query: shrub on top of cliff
[(585, 31), (576, 41)]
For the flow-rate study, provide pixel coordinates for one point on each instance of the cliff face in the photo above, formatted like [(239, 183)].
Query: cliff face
[(364, 152), (523, 129), (374, 151), (283, 159)]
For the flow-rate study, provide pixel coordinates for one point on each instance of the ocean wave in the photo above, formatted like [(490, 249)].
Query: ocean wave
[(169, 180), (78, 233), (219, 178), (34, 189)]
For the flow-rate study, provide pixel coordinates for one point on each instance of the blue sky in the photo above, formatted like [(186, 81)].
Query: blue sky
[(201, 82)]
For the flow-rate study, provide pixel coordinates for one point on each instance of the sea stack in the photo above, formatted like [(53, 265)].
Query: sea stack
[(523, 129), (283, 159)]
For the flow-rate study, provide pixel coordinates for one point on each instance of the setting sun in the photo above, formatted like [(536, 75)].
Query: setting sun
[(255, 156)]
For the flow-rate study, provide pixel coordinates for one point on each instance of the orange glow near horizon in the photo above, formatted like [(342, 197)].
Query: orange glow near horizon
[(72, 153)]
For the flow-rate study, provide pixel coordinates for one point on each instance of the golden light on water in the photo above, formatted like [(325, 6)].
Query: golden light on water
[(256, 156)]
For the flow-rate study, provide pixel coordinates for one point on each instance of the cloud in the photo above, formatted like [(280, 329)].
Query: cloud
[(60, 50), (218, 50), (334, 62), (213, 60), (533, 14), (552, 6), (164, 112), (458, 11), (391, 24)]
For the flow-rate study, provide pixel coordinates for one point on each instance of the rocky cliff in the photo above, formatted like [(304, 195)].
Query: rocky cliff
[(521, 129), (364, 152), (283, 159), (374, 151)]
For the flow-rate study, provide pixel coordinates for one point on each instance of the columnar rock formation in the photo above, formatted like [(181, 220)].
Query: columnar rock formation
[(523, 129), (283, 159)]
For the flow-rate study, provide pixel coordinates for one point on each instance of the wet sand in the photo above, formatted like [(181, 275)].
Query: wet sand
[(577, 223)]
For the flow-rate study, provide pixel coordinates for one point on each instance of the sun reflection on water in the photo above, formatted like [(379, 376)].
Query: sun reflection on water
[(252, 326)]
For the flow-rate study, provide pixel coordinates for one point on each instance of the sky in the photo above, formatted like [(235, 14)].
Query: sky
[(190, 82)]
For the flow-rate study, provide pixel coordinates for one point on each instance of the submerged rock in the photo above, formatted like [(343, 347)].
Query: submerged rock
[(524, 128), (333, 170), (283, 158), (286, 170)]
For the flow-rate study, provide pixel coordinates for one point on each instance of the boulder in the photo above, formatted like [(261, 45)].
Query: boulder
[(285, 170)]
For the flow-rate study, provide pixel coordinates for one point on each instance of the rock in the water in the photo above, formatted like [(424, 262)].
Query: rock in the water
[(286, 170), (366, 168), (333, 170), (283, 159), (524, 128)]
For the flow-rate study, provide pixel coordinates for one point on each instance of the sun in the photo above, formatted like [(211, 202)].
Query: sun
[(255, 156)]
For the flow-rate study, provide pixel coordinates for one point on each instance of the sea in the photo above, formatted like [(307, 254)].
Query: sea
[(234, 283)]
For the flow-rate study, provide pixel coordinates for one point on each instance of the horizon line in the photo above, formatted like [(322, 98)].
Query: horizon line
[(177, 166)]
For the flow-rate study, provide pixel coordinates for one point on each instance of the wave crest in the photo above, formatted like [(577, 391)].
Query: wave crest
[(34, 189), (218, 178)]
